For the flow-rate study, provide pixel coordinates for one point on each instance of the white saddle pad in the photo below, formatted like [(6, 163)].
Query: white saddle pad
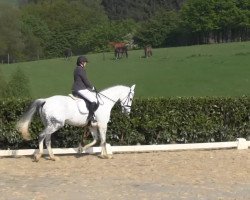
[(81, 105)]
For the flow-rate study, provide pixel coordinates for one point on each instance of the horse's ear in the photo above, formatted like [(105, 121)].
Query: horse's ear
[(133, 87)]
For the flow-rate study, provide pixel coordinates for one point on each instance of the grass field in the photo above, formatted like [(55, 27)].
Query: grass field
[(13, 2), (205, 70)]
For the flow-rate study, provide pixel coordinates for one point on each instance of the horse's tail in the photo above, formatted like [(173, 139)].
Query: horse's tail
[(24, 122)]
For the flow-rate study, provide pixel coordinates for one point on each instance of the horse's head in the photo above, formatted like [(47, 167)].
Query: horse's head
[(126, 101)]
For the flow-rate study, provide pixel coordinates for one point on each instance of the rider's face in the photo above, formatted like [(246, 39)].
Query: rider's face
[(83, 64)]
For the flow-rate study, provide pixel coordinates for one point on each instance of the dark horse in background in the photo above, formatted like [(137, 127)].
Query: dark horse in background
[(121, 49), (120, 52), (68, 53), (148, 51)]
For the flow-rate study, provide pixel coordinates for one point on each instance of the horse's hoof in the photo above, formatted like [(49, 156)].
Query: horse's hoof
[(101, 156), (37, 157), (80, 150), (54, 158), (105, 156), (35, 160)]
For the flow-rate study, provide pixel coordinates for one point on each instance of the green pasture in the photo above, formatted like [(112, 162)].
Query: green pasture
[(14, 2), (204, 70)]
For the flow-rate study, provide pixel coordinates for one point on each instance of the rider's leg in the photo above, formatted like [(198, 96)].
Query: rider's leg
[(87, 94), (91, 97)]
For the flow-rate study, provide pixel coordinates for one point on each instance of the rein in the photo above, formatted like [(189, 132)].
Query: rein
[(99, 93)]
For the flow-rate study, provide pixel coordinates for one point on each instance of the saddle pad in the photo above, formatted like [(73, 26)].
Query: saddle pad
[(81, 105)]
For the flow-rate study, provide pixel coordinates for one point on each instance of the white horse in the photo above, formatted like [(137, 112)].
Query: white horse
[(56, 111)]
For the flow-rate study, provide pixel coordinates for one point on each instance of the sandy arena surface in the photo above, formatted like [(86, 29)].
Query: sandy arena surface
[(188, 175)]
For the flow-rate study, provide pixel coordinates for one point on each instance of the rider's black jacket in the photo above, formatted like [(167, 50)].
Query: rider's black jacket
[(81, 81)]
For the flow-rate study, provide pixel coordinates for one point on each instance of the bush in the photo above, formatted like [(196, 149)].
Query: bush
[(152, 121), (18, 86)]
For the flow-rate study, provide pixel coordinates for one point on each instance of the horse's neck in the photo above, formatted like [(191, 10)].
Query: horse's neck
[(113, 94)]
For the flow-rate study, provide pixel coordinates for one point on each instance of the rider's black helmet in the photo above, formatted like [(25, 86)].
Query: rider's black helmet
[(81, 59)]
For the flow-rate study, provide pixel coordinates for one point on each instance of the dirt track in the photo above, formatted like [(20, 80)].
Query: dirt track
[(189, 175)]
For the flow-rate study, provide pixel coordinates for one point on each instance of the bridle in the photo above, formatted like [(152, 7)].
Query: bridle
[(126, 99)]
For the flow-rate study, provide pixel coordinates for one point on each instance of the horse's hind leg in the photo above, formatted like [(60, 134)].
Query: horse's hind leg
[(40, 153), (46, 134), (41, 138), (116, 54), (48, 144), (53, 128)]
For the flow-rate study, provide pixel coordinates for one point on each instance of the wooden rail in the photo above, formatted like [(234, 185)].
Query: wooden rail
[(241, 143)]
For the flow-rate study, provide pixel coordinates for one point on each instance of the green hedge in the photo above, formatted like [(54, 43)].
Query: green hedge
[(152, 121)]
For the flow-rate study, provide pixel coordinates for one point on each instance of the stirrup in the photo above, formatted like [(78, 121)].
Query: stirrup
[(93, 123), (93, 120)]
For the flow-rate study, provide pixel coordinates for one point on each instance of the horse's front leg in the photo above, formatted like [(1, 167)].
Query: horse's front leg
[(94, 133), (116, 55), (103, 130)]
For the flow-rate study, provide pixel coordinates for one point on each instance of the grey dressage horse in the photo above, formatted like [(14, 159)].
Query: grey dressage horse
[(56, 111)]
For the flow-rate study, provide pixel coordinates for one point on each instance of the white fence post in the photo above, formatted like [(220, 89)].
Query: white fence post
[(242, 143), (109, 149)]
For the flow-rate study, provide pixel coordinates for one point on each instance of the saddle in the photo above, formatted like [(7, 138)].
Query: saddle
[(92, 107)]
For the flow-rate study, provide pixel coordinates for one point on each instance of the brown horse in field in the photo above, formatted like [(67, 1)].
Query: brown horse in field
[(148, 51), (120, 49), (117, 44)]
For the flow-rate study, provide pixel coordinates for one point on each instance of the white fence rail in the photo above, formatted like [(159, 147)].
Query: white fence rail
[(241, 143)]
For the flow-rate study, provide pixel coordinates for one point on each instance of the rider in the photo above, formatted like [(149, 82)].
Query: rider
[(82, 87)]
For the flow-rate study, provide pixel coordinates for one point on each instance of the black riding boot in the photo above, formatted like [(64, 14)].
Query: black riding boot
[(92, 108)]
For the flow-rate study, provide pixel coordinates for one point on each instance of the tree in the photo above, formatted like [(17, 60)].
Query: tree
[(97, 38), (36, 34), (10, 32), (216, 20), (157, 29), (138, 10), (228, 18), (243, 31), (199, 18), (62, 22)]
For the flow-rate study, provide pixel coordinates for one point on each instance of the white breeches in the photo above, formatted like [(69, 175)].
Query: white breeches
[(88, 95)]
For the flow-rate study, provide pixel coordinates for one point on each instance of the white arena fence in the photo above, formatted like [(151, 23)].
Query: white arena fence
[(240, 144)]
